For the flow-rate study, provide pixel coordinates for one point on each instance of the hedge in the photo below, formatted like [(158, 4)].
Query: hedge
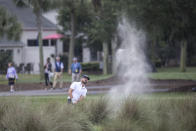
[(91, 66)]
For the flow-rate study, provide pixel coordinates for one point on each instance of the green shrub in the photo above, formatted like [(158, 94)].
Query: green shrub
[(128, 117), (96, 110), (5, 58), (132, 115), (20, 116), (183, 115), (129, 109), (65, 118), (91, 66), (159, 115)]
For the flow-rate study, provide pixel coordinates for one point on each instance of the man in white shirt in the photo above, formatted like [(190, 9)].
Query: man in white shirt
[(77, 91)]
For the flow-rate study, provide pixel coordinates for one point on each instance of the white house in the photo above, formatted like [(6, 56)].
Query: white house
[(27, 50)]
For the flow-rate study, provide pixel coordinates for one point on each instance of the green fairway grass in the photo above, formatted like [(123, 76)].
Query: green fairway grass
[(32, 78), (171, 73), (63, 98), (174, 73)]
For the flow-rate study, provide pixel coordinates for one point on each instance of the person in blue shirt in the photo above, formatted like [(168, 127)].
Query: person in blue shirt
[(58, 72), (75, 70)]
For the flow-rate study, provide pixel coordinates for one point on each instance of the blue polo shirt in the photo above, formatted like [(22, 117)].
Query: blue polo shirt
[(76, 67)]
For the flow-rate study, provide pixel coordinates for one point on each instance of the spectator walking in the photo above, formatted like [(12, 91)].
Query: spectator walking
[(77, 91), (11, 76), (75, 70), (58, 73), (48, 71)]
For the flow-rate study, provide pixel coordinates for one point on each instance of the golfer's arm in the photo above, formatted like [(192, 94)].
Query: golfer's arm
[(70, 93)]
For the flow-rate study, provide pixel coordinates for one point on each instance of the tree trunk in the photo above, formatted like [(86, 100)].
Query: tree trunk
[(114, 46), (39, 26), (105, 58), (183, 56), (72, 40)]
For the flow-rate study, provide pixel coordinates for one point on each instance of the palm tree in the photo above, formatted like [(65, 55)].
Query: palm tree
[(11, 30), (38, 6), (71, 7), (99, 9), (9, 26)]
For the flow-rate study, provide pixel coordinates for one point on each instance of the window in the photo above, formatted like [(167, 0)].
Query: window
[(32, 42), (45, 43), (53, 42)]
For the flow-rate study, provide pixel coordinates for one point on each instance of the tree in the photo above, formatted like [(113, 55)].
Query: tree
[(172, 21), (39, 6), (9, 27), (74, 16), (103, 26), (94, 22)]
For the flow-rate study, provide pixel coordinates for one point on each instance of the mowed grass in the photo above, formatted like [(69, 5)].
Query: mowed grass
[(34, 78), (174, 74), (40, 100), (161, 74)]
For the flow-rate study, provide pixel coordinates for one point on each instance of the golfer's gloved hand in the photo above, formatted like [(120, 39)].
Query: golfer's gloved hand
[(69, 100)]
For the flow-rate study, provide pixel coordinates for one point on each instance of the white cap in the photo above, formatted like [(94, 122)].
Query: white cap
[(74, 59)]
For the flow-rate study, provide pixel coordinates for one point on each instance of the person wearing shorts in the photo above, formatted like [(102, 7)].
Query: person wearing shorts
[(11, 76)]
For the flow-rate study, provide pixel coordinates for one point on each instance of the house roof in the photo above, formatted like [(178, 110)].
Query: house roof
[(26, 16)]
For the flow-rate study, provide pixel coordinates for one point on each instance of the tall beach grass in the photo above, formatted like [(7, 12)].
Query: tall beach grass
[(133, 114)]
